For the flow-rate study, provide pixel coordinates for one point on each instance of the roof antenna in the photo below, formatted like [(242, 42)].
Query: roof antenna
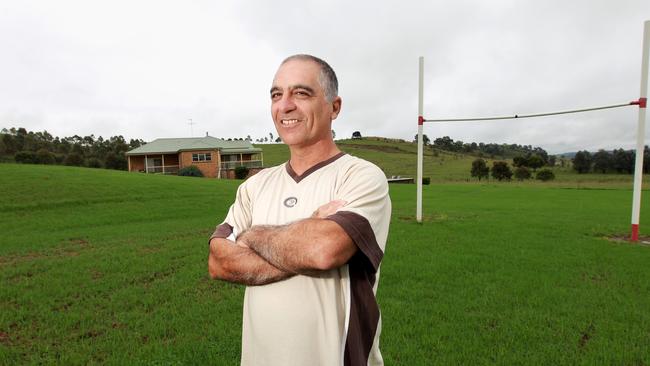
[(191, 126)]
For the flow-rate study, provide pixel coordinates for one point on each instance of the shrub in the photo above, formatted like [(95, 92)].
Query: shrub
[(545, 175), (26, 157), (93, 163), (522, 173), (44, 156), (241, 172), (190, 171), (116, 161), (73, 159), (426, 181)]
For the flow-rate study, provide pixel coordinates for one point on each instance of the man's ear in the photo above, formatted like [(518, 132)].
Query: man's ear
[(336, 107)]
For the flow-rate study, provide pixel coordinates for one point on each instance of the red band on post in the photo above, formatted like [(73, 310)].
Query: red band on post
[(635, 232), (420, 120), (642, 102)]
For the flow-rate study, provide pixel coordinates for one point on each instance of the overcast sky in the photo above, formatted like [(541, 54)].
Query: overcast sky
[(142, 69)]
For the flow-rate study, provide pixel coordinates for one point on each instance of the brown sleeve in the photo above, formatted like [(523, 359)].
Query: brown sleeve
[(361, 233), (222, 231)]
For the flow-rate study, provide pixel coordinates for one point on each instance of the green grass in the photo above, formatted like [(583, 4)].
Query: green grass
[(109, 267)]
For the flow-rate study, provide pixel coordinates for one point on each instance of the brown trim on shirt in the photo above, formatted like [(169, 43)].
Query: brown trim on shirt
[(297, 178), (364, 310), (360, 231), (222, 231), (364, 313)]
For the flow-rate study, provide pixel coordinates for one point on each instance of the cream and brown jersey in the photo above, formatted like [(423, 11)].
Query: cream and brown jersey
[(332, 318)]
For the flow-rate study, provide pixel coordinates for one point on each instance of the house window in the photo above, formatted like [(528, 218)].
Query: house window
[(202, 157)]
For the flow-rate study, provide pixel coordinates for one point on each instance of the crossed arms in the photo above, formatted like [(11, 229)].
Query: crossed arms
[(266, 254)]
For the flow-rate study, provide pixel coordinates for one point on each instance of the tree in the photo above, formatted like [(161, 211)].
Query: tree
[(501, 171), (270, 136), (356, 135), (535, 161), (333, 134), (582, 162), (551, 160), (519, 161), (425, 139), (623, 161), (480, 169), (602, 161), (278, 139), (522, 173)]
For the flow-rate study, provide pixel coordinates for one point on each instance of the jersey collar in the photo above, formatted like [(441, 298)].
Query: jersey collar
[(297, 178)]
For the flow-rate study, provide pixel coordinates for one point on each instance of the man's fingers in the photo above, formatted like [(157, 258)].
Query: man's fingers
[(328, 209)]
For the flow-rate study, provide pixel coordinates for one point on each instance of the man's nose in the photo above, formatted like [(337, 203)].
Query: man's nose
[(286, 104)]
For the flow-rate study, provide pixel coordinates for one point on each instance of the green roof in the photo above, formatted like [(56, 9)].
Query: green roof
[(170, 146)]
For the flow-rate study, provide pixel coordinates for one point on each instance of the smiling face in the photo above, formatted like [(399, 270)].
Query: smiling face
[(299, 107)]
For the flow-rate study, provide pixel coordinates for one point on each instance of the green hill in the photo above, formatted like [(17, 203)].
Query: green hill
[(399, 158)]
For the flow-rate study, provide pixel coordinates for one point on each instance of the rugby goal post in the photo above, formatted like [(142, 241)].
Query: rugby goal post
[(640, 136)]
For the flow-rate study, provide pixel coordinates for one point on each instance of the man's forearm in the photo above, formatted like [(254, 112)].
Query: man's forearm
[(302, 247), (237, 264)]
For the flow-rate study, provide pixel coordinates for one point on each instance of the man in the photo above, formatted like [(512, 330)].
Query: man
[(307, 237)]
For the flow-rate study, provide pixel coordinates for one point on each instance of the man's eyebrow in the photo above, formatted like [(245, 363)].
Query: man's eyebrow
[(303, 87), (274, 88)]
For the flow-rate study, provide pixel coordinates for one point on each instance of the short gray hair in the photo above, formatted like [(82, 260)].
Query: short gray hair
[(327, 78)]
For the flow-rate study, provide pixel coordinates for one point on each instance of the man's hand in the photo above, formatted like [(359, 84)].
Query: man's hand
[(327, 209), (232, 263), (303, 247)]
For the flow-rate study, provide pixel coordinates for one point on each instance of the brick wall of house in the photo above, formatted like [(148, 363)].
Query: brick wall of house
[(209, 169), (137, 163)]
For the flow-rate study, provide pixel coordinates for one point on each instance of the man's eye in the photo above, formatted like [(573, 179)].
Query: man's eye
[(275, 95)]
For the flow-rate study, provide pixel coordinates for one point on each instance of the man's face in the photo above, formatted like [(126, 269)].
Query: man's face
[(300, 110)]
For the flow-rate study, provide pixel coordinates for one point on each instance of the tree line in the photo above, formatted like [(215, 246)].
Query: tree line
[(501, 171), (481, 149), (615, 161), (30, 147)]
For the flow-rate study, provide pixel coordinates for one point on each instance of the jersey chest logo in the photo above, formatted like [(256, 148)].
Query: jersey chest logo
[(290, 202)]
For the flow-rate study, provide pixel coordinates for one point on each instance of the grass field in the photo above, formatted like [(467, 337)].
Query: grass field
[(103, 266)]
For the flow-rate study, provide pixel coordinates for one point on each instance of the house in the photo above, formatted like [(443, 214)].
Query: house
[(216, 158)]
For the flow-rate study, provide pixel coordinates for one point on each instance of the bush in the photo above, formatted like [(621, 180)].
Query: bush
[(44, 156), (26, 157), (545, 175), (426, 181), (116, 161), (241, 172), (522, 173), (73, 159), (190, 171), (93, 163)]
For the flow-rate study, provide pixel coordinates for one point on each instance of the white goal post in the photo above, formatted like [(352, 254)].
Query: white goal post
[(640, 136)]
